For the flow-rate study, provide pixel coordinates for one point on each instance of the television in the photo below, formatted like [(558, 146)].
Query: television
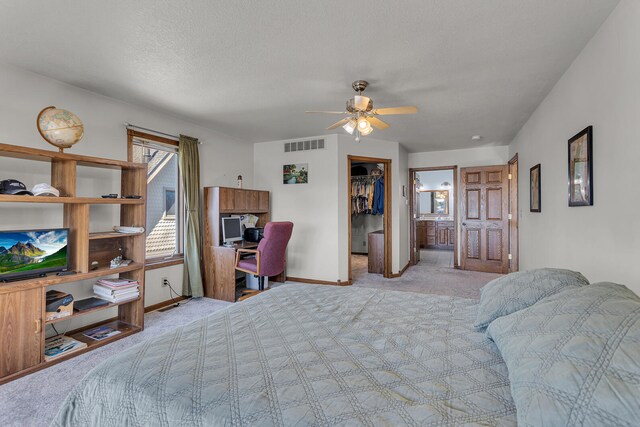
[(32, 253), (231, 230)]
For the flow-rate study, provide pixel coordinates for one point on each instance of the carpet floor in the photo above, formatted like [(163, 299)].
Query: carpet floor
[(34, 400), (425, 278)]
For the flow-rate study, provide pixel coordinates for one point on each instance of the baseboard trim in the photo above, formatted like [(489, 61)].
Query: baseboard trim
[(318, 282), (164, 304), (394, 275)]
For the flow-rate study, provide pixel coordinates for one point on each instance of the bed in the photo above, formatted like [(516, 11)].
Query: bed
[(307, 355)]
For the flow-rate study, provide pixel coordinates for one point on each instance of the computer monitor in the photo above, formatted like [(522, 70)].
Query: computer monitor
[(231, 229)]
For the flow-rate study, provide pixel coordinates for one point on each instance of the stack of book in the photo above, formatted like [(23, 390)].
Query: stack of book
[(117, 290)]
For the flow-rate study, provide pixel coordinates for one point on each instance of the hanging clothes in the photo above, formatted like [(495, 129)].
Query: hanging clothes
[(367, 195), (362, 194), (378, 197)]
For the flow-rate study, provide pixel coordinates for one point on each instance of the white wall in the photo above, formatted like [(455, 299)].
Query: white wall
[(601, 88), (481, 156), (24, 94), (312, 207), (319, 247), (370, 147)]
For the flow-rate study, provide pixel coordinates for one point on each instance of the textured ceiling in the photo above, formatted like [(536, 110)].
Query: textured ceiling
[(251, 68)]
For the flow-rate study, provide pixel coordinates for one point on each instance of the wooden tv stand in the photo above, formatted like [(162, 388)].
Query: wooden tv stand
[(22, 303)]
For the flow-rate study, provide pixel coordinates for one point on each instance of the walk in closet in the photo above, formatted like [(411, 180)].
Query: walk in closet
[(367, 217)]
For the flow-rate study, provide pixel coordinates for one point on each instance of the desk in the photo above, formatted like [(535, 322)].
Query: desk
[(222, 273)]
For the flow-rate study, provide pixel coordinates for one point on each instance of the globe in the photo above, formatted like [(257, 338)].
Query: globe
[(60, 128)]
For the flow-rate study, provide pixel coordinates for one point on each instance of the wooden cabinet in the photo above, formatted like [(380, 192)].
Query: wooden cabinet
[(435, 234), (235, 200), (376, 252), (219, 261), (20, 330)]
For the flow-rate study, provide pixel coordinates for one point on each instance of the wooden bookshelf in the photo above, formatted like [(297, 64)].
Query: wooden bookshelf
[(111, 235), (70, 200), (77, 314), (22, 303)]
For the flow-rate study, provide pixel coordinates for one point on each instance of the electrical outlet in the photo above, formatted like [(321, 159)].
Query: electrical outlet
[(364, 244), (165, 282)]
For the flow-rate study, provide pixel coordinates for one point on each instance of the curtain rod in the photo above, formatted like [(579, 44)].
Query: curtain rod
[(176, 137)]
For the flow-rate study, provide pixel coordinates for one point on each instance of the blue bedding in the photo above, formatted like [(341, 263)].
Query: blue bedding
[(307, 355)]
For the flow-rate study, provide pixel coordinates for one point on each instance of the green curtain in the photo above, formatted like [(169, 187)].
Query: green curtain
[(190, 172)]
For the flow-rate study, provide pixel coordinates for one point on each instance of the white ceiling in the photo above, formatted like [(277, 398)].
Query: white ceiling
[(251, 68)]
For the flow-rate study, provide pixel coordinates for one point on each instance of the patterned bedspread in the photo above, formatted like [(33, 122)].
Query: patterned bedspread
[(307, 355)]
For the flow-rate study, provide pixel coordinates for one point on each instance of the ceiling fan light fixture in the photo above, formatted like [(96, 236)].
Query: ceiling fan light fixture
[(350, 126), (364, 127), (365, 132)]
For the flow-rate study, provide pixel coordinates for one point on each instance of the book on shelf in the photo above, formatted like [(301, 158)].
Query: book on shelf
[(101, 333), (118, 283), (115, 296), (117, 288), (107, 290), (60, 345)]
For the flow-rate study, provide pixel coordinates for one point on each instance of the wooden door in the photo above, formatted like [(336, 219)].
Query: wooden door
[(443, 236), (241, 200), (419, 230), (263, 201), (20, 330), (452, 236), (484, 209)]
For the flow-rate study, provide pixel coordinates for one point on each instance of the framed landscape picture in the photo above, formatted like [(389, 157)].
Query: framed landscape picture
[(295, 174), (581, 168), (535, 189)]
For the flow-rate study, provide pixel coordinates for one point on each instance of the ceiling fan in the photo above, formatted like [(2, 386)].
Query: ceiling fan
[(362, 116)]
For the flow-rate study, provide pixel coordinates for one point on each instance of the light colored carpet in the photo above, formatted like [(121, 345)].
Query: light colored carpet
[(423, 278), (34, 400)]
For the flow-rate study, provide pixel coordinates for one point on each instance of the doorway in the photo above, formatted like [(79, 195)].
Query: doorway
[(434, 216), (369, 202)]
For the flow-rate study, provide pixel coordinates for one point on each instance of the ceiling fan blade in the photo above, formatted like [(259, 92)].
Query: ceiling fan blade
[(395, 110), (340, 123), (326, 112), (377, 123)]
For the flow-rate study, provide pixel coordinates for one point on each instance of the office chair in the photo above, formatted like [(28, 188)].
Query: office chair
[(269, 258)]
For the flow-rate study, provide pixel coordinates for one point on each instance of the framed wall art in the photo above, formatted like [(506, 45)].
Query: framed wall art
[(295, 174), (535, 189), (581, 168)]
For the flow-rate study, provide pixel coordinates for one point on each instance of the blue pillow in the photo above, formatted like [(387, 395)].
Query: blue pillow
[(515, 291), (574, 357)]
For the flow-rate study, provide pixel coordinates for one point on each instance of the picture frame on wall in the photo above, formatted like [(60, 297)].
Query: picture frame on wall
[(535, 189), (295, 173), (581, 168)]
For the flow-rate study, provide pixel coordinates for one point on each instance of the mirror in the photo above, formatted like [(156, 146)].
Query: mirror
[(434, 202)]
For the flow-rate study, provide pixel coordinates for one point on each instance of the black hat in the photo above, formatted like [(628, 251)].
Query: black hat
[(13, 186)]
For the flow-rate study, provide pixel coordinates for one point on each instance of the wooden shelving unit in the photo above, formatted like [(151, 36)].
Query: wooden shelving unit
[(22, 303), (93, 310)]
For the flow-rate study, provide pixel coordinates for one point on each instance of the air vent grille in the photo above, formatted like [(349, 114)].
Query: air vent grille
[(311, 144)]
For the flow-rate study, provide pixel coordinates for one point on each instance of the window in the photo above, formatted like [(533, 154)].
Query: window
[(169, 202), (164, 196)]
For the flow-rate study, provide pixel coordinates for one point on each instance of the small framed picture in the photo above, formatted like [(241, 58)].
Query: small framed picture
[(581, 168), (535, 189), (295, 174)]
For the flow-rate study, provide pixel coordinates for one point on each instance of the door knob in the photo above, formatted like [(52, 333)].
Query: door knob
[(464, 223)]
